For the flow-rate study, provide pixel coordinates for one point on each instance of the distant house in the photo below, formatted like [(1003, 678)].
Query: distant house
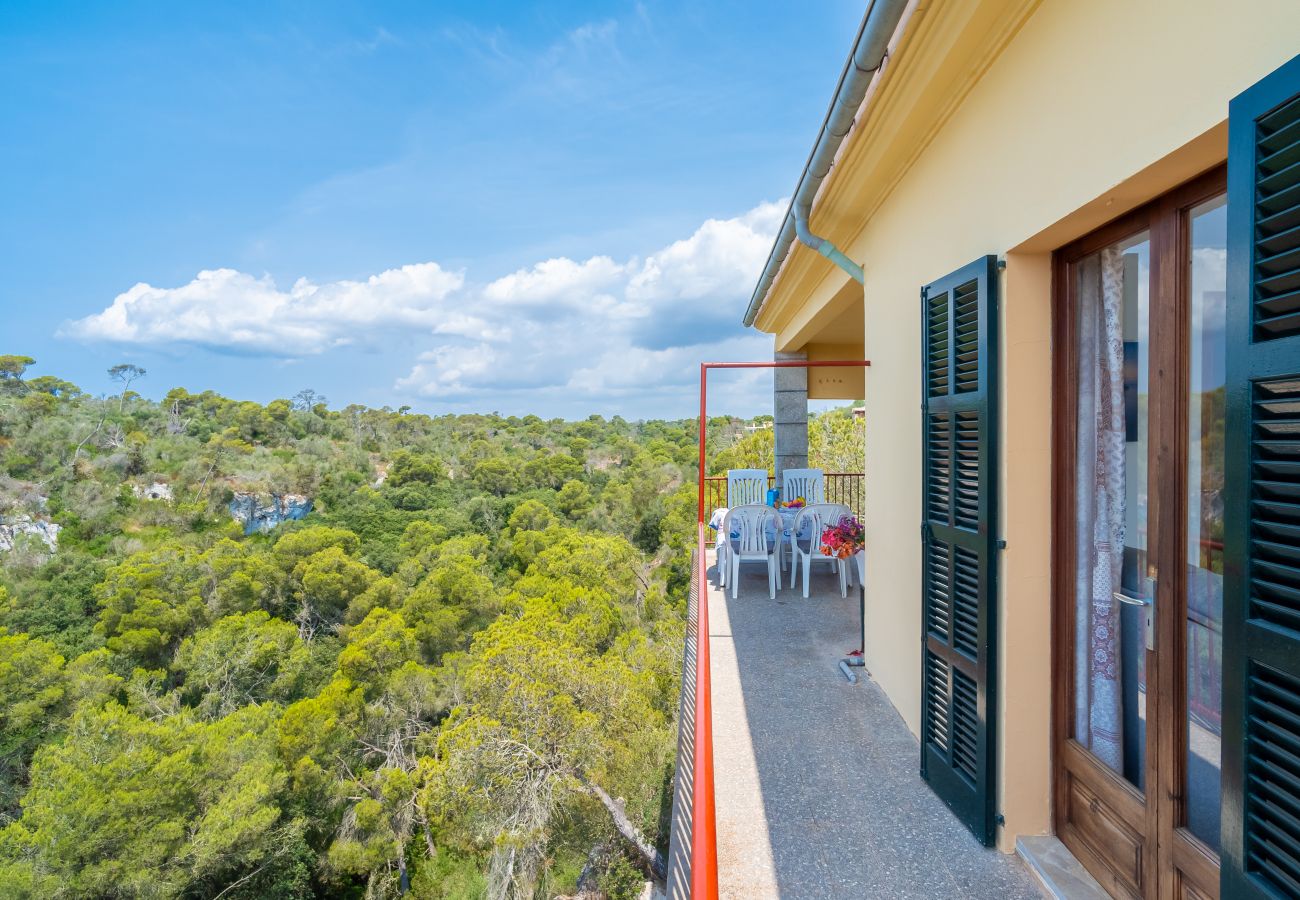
[(1067, 237)]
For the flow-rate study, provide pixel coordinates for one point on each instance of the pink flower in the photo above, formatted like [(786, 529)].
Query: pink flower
[(844, 538)]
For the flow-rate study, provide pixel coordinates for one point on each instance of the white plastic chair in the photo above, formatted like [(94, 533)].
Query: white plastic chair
[(806, 543), (746, 486), (810, 484), (807, 483), (745, 531)]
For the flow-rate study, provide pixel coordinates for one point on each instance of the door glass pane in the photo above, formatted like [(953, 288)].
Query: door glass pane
[(1113, 291), (1205, 517)]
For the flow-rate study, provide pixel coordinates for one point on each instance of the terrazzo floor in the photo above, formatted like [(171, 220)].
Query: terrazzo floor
[(817, 783)]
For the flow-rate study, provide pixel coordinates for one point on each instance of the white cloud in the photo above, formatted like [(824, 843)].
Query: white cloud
[(604, 329), (557, 281), (444, 371), (630, 369), (710, 261), (597, 328), (231, 310)]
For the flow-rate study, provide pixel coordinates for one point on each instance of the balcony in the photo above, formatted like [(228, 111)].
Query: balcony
[(840, 487), (815, 785)]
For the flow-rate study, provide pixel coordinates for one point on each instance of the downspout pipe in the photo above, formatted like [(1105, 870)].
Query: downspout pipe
[(877, 28)]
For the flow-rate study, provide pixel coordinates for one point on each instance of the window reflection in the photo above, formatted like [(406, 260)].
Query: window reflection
[(1208, 284)]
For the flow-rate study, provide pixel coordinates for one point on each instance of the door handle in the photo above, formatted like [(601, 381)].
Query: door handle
[(1148, 615)]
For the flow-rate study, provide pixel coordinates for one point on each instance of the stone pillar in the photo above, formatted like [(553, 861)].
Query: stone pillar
[(790, 415)]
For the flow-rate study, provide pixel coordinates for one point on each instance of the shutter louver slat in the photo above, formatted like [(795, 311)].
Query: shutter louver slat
[(1275, 528), (936, 684), (1282, 148), (1284, 216), (957, 603), (1282, 267), (1280, 180), (966, 507), (965, 602), (1277, 227), (937, 344), (939, 614), (966, 335), (1278, 128), (965, 725), (1280, 471), (1273, 772), (938, 478), (1278, 210), (1278, 240), (1275, 503), (1282, 803)]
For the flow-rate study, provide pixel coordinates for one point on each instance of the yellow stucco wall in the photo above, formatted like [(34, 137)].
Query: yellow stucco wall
[(1083, 98), (834, 383)]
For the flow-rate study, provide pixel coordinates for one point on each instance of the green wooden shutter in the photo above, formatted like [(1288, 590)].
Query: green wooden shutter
[(1261, 628), (959, 542)]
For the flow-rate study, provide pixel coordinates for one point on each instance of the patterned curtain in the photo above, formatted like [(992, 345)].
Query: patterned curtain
[(1099, 480)]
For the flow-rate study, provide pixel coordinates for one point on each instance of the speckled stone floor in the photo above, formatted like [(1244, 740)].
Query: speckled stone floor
[(817, 784)]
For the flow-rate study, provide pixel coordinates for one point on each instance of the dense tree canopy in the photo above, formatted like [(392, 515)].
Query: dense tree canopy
[(456, 677)]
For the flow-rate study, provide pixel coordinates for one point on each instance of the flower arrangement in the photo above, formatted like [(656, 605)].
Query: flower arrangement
[(843, 539), (796, 503)]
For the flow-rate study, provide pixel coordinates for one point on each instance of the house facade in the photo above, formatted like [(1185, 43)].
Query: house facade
[(1078, 232)]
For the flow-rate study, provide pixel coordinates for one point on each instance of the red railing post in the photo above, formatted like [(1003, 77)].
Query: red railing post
[(704, 840), (704, 424)]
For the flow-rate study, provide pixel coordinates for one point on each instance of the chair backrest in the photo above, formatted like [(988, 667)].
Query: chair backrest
[(807, 483), (823, 516), (746, 486), (810, 522), (746, 528), (835, 511)]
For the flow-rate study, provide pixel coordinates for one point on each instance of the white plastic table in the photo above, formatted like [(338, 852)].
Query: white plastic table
[(787, 521)]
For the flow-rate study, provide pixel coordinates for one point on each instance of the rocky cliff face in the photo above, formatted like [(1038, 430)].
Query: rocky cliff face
[(262, 512), (14, 528)]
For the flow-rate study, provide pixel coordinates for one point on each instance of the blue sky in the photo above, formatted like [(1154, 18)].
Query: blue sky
[(549, 208)]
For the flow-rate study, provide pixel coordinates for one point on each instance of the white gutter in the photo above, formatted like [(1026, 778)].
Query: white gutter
[(864, 62)]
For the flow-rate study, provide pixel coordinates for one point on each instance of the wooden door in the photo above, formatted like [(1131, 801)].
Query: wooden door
[(1138, 437)]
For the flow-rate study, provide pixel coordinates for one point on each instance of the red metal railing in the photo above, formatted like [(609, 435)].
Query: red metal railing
[(704, 838), (848, 488), (1205, 637)]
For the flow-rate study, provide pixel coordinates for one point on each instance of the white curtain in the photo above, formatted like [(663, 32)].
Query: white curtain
[(1099, 486)]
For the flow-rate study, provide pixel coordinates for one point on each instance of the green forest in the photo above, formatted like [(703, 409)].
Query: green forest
[(285, 650)]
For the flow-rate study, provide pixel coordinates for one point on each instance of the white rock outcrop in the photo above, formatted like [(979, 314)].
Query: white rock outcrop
[(11, 530), (157, 491)]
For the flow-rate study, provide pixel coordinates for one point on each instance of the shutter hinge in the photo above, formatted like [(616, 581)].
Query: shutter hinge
[(1000, 819), (925, 292), (925, 533), (1002, 545)]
